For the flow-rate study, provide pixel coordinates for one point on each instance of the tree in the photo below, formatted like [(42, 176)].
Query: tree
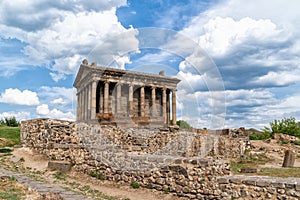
[(183, 124), (11, 121), (287, 126)]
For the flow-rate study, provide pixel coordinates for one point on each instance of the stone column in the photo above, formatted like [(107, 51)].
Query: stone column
[(130, 100), (153, 98), (168, 107), (174, 106), (93, 103), (84, 103), (106, 96), (119, 93), (81, 104), (78, 107), (142, 103), (164, 105), (101, 98), (89, 100)]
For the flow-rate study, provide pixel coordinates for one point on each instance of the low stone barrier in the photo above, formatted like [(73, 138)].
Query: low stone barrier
[(259, 187), (171, 161)]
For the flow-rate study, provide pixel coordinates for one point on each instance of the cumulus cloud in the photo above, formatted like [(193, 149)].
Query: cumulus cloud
[(17, 97), (55, 113), (39, 14), (42, 109), (221, 35), (255, 52), (58, 114), (57, 95), (62, 32), (250, 46), (58, 101)]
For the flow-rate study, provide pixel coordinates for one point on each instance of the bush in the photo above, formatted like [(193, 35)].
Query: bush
[(9, 121), (183, 124), (134, 185), (260, 136), (287, 126), (97, 175)]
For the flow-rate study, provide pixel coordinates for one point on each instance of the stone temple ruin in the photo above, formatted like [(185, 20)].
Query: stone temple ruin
[(135, 142), (124, 97)]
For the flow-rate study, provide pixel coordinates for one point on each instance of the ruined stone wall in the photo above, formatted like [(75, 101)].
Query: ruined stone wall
[(259, 187), (160, 159)]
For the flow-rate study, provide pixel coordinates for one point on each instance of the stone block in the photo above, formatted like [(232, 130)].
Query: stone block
[(222, 180), (249, 170), (60, 165), (289, 158)]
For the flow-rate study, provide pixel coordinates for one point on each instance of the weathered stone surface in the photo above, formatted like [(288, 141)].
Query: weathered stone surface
[(249, 170), (157, 159), (60, 165), (289, 158)]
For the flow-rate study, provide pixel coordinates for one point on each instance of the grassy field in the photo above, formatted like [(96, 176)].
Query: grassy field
[(11, 135), (254, 163)]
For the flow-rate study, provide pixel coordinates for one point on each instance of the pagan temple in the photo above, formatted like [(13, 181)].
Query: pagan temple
[(110, 95)]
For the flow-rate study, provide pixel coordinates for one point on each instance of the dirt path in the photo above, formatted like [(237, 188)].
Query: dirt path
[(274, 150), (77, 181)]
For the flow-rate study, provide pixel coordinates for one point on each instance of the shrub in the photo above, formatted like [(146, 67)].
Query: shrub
[(287, 126), (60, 176), (260, 136), (97, 175), (183, 124), (134, 185), (9, 121)]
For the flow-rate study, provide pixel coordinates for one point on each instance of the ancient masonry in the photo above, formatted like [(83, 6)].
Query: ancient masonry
[(135, 142), (124, 97), (120, 155)]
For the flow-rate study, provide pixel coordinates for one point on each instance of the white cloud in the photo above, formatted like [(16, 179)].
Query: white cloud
[(281, 78), (58, 114), (35, 15), (64, 32), (18, 115), (15, 96), (58, 101), (49, 93), (42, 109), (221, 35), (54, 113), (57, 76)]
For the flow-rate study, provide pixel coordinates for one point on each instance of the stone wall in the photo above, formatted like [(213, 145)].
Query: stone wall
[(259, 187), (180, 162)]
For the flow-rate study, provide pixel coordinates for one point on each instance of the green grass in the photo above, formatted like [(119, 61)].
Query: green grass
[(9, 190), (60, 176), (135, 185), (254, 163), (248, 163), (281, 172), (10, 133)]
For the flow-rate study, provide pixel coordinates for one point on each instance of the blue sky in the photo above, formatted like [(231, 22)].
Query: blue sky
[(251, 48)]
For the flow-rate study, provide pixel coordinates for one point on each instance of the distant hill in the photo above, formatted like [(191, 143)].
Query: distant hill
[(253, 131)]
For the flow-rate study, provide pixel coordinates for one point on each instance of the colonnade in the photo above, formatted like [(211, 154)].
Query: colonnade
[(87, 101)]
